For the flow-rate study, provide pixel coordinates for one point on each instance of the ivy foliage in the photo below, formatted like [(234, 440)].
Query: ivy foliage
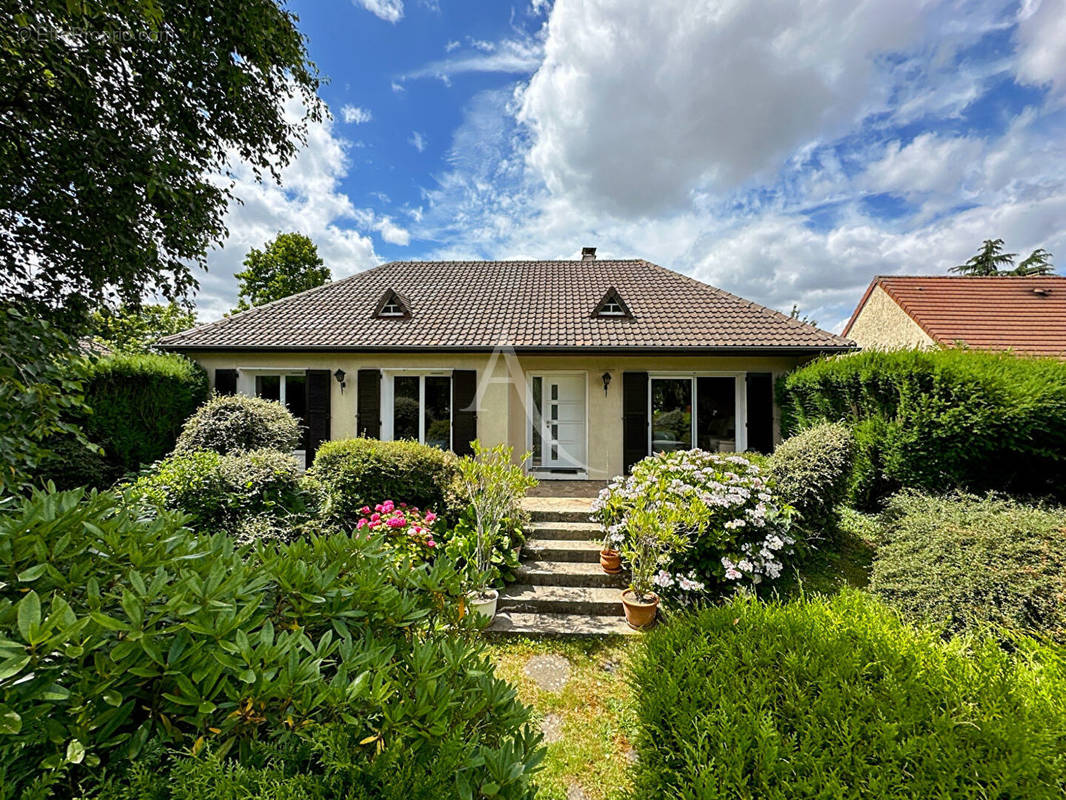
[(939, 420), (134, 650)]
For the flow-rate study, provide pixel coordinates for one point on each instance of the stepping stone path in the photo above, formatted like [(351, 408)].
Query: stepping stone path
[(551, 672), (561, 588), (552, 728)]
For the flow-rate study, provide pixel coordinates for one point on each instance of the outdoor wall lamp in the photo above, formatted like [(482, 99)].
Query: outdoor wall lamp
[(339, 375), (606, 382)]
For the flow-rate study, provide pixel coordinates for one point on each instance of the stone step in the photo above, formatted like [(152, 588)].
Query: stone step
[(593, 601), (561, 550), (567, 573), (559, 515), (516, 623), (576, 531)]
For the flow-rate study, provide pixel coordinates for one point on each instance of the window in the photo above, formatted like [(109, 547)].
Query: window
[(611, 309), (693, 411), (391, 309), (611, 305), (421, 407), (392, 305), (288, 389)]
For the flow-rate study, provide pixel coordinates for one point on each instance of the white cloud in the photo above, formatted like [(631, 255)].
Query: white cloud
[(355, 115), (452, 45), (388, 10), (1041, 40), (520, 56), (930, 164), (417, 141), (392, 233), (637, 105), (309, 201)]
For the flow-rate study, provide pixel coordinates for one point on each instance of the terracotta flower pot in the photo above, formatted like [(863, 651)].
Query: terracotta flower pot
[(611, 561), (639, 615)]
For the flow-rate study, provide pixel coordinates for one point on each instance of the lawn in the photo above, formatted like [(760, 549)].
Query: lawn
[(589, 721)]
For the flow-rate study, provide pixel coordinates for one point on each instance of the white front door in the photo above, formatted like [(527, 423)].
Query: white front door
[(562, 406)]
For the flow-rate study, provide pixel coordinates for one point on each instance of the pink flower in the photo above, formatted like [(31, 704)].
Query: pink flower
[(396, 522), (364, 510), (388, 507), (430, 516), (416, 529), (379, 507), (375, 517), (361, 524), (431, 543)]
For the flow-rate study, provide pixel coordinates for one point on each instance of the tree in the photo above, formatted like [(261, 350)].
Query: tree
[(988, 261), (1038, 263), (991, 260), (133, 329), (288, 264), (116, 117)]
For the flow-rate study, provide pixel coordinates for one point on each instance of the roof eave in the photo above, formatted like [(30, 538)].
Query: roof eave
[(732, 350)]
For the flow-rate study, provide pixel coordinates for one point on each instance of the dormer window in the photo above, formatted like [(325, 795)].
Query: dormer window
[(611, 306), (392, 306)]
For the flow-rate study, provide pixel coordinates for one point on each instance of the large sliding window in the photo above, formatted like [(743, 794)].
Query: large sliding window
[(419, 407), (694, 411)]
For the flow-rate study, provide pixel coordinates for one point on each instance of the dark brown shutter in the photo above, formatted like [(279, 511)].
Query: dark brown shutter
[(464, 410), (368, 403), (760, 411), (634, 417), (225, 381), (317, 417)]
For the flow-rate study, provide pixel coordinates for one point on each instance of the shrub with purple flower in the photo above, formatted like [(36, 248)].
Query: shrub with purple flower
[(737, 528)]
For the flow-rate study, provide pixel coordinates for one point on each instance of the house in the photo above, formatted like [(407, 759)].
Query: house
[(1026, 315), (590, 364)]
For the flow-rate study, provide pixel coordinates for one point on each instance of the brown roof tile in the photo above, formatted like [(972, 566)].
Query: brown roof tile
[(533, 305), (1026, 315)]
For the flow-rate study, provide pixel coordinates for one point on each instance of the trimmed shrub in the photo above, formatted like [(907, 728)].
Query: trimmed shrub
[(137, 654), (737, 528), (229, 423), (810, 472), (837, 698), (138, 404), (354, 473), (963, 562), (939, 420), (250, 495)]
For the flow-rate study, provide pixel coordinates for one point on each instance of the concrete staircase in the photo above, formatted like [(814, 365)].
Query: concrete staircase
[(561, 588)]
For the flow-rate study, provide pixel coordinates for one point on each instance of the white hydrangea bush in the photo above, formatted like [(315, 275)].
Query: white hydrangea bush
[(737, 528)]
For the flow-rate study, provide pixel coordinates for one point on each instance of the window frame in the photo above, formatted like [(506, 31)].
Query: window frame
[(740, 400), (388, 402)]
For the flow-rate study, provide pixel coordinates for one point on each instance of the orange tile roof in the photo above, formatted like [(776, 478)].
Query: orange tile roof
[(528, 305), (1025, 315)]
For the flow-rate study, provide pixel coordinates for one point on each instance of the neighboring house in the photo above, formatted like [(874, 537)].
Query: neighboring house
[(1026, 315), (589, 364)]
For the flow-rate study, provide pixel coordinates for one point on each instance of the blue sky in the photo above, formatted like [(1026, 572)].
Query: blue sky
[(784, 152)]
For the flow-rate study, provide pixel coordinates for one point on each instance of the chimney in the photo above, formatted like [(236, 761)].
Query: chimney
[(588, 253)]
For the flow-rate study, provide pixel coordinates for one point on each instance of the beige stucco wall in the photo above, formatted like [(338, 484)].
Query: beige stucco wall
[(883, 325), (502, 387)]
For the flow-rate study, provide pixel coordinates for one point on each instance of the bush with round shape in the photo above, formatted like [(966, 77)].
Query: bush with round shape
[(964, 562), (254, 494), (354, 473), (810, 472), (736, 527), (162, 663), (836, 697), (937, 420), (228, 423)]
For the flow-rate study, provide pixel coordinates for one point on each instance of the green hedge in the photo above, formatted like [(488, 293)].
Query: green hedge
[(249, 495), (810, 472), (939, 420), (837, 698), (228, 423), (137, 654), (962, 562), (354, 473), (138, 403)]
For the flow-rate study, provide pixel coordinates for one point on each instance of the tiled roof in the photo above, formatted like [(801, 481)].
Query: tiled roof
[(524, 304), (1025, 315)]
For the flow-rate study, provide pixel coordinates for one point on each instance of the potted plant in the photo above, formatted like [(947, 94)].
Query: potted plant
[(651, 537), (493, 486), (610, 556)]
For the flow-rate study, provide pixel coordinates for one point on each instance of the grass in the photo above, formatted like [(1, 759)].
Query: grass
[(844, 560), (596, 710)]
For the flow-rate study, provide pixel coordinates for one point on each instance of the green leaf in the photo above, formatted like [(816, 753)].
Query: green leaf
[(112, 698), (29, 615), (33, 573), (13, 666), (206, 707), (10, 722), (75, 752), (248, 676)]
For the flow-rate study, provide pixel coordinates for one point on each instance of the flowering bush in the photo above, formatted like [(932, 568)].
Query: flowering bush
[(405, 529), (736, 528)]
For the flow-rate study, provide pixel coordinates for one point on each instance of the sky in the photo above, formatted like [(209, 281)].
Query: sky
[(786, 152)]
